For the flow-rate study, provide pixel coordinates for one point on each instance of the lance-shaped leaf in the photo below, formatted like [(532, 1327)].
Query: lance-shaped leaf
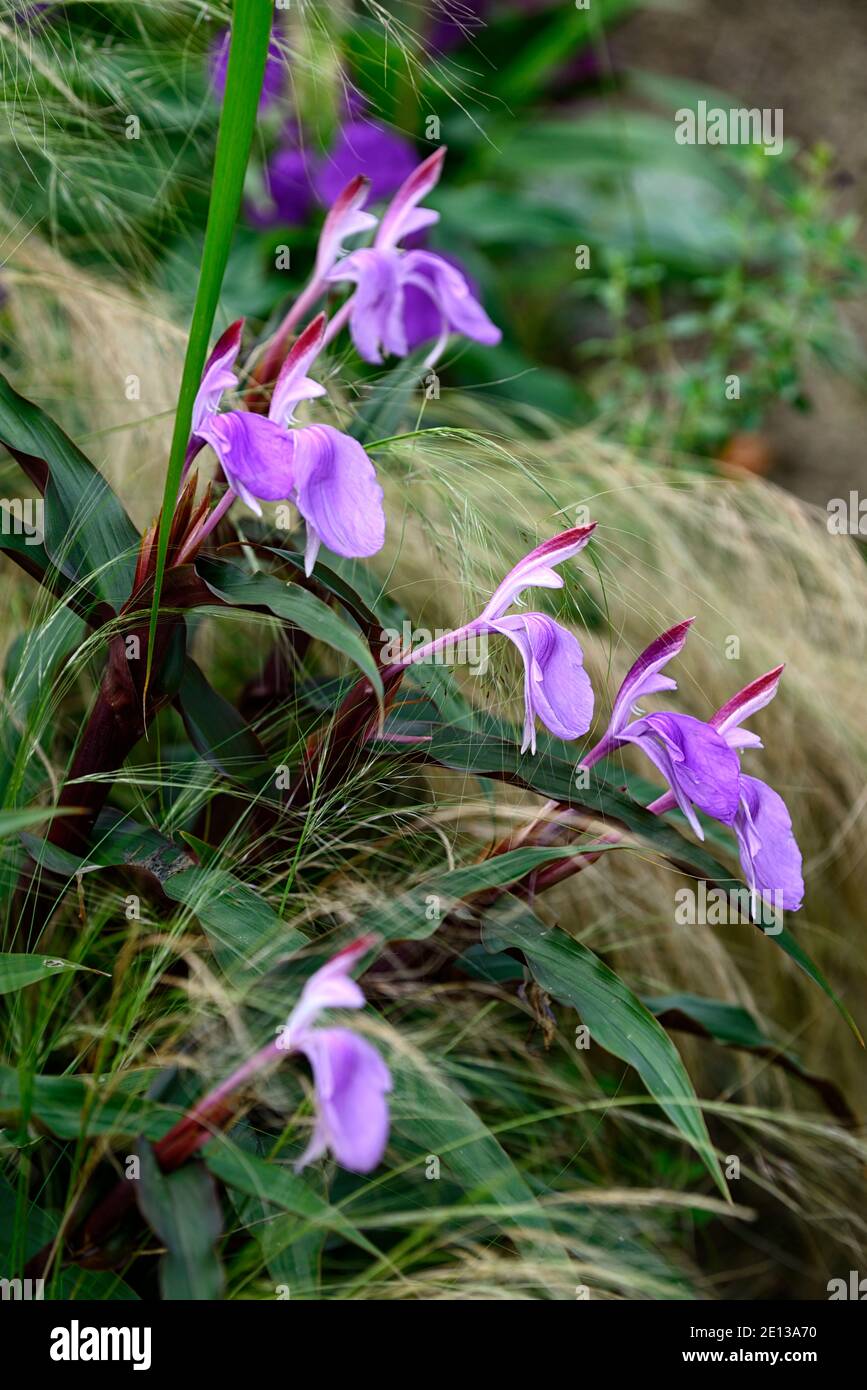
[(183, 1209), (618, 1021), (88, 535), (295, 605)]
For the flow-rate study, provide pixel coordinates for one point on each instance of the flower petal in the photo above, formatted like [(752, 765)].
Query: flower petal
[(770, 855), (376, 319), (696, 762), (256, 454), (744, 705), (643, 677), (403, 216), (451, 293), (556, 686), (292, 384), (345, 218), (337, 492), (217, 376), (536, 569), (351, 1082)]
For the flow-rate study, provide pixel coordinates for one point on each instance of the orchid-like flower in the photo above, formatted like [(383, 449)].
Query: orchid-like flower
[(556, 687), (769, 851), (701, 773), (700, 768), (382, 273), (325, 472), (350, 1078)]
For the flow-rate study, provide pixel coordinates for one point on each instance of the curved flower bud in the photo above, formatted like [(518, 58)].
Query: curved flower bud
[(769, 852), (697, 763), (556, 686), (536, 570)]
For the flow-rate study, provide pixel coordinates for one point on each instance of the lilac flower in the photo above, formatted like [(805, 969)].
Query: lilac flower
[(701, 769), (272, 81), (289, 191), (690, 756), (366, 147), (769, 852), (556, 687), (383, 273), (350, 1078), (324, 472)]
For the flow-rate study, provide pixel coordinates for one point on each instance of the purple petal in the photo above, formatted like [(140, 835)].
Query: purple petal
[(376, 320), (292, 384), (343, 220), (330, 987), (287, 181), (368, 148), (351, 1082), (257, 455), (536, 569), (769, 852), (273, 79), (643, 677), (696, 762), (556, 686), (450, 292), (218, 375), (337, 492), (744, 705), (403, 216)]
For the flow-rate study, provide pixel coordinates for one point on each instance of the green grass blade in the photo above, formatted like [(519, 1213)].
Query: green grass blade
[(251, 30)]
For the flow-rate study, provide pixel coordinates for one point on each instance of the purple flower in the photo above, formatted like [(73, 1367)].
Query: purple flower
[(287, 184), (365, 147), (769, 852), (557, 689), (688, 754), (272, 82), (383, 275), (324, 472), (699, 766), (350, 1078), (697, 763)]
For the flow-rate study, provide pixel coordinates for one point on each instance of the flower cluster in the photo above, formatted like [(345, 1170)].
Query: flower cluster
[(701, 764)]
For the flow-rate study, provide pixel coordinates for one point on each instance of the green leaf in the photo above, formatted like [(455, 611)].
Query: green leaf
[(292, 603), (277, 1184), (183, 1209), (551, 773), (251, 32), (75, 1106), (618, 1021), (245, 933), (18, 970), (88, 535)]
